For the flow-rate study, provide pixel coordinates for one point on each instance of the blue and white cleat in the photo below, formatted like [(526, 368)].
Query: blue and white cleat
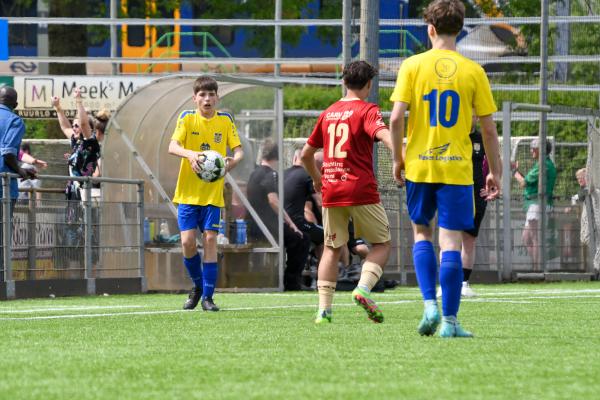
[(430, 321), (450, 330)]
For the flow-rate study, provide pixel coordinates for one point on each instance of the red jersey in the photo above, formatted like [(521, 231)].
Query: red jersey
[(346, 132)]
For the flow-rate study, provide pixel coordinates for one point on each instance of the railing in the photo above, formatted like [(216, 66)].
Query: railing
[(83, 239), (207, 38)]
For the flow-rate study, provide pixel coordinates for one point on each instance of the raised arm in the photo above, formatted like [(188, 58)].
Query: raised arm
[(82, 115), (65, 125)]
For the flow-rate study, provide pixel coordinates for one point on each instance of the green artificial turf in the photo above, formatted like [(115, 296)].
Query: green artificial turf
[(537, 341)]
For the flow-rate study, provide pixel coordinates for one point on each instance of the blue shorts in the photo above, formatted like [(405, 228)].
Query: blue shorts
[(454, 204), (206, 218)]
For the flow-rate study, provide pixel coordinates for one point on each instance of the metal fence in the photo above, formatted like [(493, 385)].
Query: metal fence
[(52, 238)]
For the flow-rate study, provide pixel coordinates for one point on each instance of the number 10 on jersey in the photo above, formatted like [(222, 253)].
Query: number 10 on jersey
[(438, 107)]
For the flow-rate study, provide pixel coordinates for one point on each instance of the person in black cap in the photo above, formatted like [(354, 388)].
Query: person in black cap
[(12, 130)]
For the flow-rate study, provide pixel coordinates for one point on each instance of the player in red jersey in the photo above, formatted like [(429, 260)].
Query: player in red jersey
[(346, 131)]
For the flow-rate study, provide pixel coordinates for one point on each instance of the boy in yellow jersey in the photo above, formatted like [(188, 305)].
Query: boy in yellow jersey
[(200, 202), (442, 88)]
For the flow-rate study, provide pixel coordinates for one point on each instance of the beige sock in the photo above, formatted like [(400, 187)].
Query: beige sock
[(370, 274), (326, 291)]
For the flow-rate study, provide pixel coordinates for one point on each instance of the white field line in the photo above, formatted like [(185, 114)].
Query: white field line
[(67, 308), (480, 289), (525, 300)]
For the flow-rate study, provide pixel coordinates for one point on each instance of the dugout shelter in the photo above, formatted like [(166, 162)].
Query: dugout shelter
[(136, 146)]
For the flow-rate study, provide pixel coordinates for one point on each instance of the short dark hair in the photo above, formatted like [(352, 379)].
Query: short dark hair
[(26, 148), (357, 74), (446, 16), (269, 150), (205, 83)]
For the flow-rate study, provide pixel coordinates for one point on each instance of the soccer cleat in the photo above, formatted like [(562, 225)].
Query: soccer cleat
[(363, 299), (208, 304), (430, 321), (450, 330), (193, 298), (323, 318), (466, 290)]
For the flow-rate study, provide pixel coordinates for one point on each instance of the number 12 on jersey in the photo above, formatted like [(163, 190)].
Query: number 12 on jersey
[(438, 109), (337, 131)]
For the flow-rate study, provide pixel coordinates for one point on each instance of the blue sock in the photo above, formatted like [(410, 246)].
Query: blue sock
[(194, 269), (425, 268), (210, 279), (451, 276)]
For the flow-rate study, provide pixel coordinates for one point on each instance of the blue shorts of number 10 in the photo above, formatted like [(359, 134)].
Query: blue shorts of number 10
[(454, 203), (206, 218)]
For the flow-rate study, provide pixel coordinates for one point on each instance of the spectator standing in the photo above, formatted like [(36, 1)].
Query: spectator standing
[(12, 130), (530, 183), (262, 194), (85, 149)]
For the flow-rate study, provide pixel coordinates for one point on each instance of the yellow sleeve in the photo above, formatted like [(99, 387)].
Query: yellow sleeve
[(233, 139), (180, 132), (483, 101), (403, 89)]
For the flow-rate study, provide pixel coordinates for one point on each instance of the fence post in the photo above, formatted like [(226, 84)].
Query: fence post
[(7, 237), (506, 201), (88, 229), (31, 227), (141, 255)]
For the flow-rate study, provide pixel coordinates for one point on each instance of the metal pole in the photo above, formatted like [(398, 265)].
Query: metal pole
[(113, 36), (42, 36), (543, 123), (506, 224), (141, 247), (346, 35), (277, 67), (279, 133), (88, 229), (497, 237), (31, 245), (369, 40), (7, 237)]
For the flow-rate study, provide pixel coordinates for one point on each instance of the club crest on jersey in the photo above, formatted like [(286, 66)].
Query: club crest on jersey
[(204, 146), (218, 137)]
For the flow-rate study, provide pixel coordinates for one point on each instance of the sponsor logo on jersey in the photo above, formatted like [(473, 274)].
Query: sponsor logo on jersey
[(338, 115), (437, 154), (218, 137), (195, 133), (205, 146)]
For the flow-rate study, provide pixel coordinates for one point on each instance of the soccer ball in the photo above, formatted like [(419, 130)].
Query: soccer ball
[(212, 166)]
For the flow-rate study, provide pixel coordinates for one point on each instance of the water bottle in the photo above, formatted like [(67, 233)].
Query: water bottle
[(221, 238), (164, 230), (146, 230), (152, 230), (240, 230)]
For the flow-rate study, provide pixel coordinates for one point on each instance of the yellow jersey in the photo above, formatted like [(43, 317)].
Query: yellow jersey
[(441, 88), (194, 132)]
